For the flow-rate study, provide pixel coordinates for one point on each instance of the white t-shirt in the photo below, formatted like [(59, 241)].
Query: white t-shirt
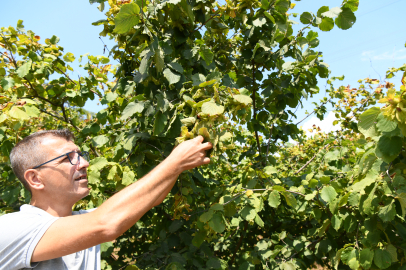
[(20, 233)]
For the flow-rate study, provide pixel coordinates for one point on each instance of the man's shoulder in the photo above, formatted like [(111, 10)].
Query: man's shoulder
[(26, 217)]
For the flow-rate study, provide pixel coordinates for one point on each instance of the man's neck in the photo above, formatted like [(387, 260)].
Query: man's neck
[(56, 210)]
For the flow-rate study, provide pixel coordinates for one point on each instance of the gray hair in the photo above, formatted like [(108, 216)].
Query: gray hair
[(28, 152)]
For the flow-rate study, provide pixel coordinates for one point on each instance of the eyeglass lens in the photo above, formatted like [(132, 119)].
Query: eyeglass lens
[(74, 157)]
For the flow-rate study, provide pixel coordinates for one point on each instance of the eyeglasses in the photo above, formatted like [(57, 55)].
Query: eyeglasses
[(73, 157)]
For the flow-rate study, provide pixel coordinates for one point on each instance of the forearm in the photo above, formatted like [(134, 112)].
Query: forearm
[(125, 208), (165, 193)]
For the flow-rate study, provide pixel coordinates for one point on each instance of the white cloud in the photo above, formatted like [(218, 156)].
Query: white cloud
[(326, 125), (394, 55)]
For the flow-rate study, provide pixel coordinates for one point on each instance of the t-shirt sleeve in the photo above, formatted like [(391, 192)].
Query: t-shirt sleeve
[(19, 235)]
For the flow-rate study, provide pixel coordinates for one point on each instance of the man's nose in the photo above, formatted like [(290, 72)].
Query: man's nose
[(82, 163)]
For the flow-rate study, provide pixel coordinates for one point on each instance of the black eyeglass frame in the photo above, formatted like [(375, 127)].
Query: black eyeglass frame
[(83, 154)]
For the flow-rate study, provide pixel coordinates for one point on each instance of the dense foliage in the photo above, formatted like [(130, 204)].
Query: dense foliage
[(235, 73)]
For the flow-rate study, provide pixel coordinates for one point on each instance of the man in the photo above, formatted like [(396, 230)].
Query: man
[(46, 234)]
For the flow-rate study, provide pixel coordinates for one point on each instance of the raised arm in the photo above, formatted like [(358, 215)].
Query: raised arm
[(74, 233)]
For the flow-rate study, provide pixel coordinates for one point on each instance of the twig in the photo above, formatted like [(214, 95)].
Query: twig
[(131, 152), (254, 92), (105, 46), (206, 21), (67, 120), (11, 53), (313, 111), (156, 149), (264, 189), (307, 164), (239, 242), (356, 239), (269, 140), (53, 115)]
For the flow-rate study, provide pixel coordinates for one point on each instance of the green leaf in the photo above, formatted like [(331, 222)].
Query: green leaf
[(128, 178), (100, 140), (159, 60), (365, 258), (274, 199), (248, 212), (370, 178), (389, 148), (265, 4), (259, 221), (288, 266), (269, 16), (269, 170), (332, 13), (348, 254), (132, 108), (69, 57), (382, 258), (322, 10), (98, 163), (7, 83), (159, 123), (313, 183), (54, 39), (212, 108), (243, 99), (213, 263), (325, 179), (171, 76), (16, 113), (205, 217), (336, 222), (23, 70), (131, 267), (259, 22), (346, 19), (217, 223), (112, 173), (198, 239), (207, 55), (127, 18), (328, 194), (384, 124), (306, 18), (217, 207), (32, 111), (393, 252), (175, 225), (177, 67), (402, 200), (290, 199), (387, 213), (326, 24), (353, 264)]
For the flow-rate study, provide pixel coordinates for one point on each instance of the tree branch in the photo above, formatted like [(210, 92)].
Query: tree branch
[(254, 93), (307, 164), (11, 53), (239, 242), (206, 21), (313, 111)]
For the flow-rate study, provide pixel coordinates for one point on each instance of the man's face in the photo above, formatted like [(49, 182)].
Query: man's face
[(63, 181)]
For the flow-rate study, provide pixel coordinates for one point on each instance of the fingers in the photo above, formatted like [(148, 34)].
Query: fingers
[(206, 160), (207, 146), (199, 138)]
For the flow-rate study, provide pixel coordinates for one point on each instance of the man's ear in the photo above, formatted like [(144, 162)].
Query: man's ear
[(33, 179)]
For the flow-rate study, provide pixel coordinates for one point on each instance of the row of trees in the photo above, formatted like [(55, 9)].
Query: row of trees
[(272, 196)]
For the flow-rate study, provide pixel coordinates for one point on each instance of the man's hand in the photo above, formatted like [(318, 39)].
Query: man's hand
[(190, 154)]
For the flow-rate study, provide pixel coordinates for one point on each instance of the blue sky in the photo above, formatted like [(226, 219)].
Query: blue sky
[(375, 43)]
